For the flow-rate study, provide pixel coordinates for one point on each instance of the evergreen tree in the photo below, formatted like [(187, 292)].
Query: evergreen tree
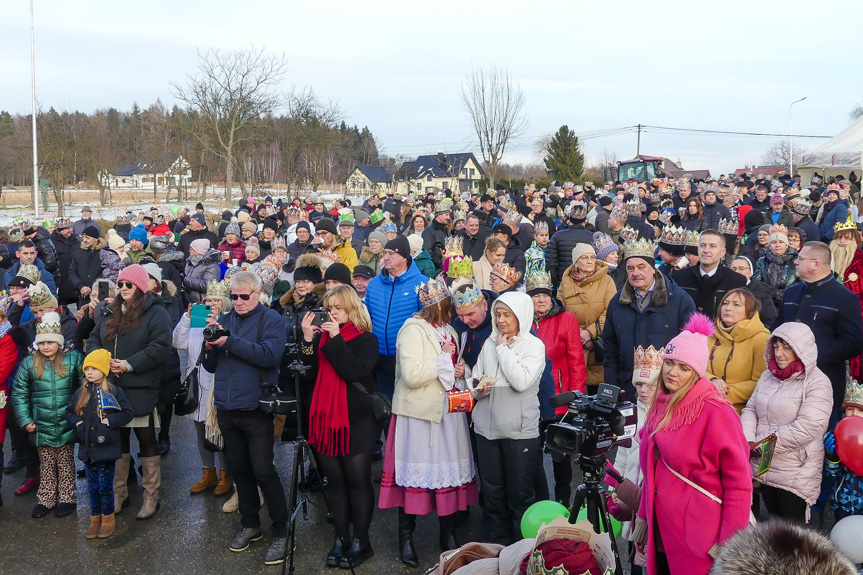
[(563, 158)]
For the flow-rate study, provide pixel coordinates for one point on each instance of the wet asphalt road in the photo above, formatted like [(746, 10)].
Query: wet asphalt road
[(190, 534)]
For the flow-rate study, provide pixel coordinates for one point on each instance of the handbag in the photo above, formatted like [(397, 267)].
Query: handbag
[(598, 346), (381, 406), (186, 400)]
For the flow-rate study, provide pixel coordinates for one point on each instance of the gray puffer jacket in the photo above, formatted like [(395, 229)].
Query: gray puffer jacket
[(797, 410), (199, 271)]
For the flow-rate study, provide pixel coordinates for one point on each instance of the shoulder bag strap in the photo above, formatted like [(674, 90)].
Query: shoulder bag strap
[(691, 483)]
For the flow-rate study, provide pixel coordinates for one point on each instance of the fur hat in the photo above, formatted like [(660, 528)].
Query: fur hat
[(99, 359), (136, 274), (115, 241), (308, 268), (161, 244), (49, 329), (690, 345)]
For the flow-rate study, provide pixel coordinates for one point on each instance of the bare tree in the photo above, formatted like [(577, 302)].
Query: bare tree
[(314, 125), (777, 154), (856, 111), (495, 105), (232, 93)]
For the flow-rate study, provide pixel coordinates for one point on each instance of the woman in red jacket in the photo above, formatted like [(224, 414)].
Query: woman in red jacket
[(697, 486), (8, 363), (559, 331), (233, 245)]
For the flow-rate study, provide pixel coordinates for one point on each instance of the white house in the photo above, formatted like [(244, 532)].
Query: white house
[(171, 170), (456, 172), (367, 180)]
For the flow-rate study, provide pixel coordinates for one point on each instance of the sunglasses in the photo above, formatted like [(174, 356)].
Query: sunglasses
[(242, 296), (125, 284)]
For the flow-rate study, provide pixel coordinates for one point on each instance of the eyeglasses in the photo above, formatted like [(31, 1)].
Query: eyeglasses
[(242, 296), (124, 284)]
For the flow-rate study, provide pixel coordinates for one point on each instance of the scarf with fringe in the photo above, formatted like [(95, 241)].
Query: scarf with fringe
[(685, 412)]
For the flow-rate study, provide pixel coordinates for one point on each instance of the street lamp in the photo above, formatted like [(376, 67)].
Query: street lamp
[(791, 138)]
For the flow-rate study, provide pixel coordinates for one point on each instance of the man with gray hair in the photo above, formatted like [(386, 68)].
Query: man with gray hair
[(242, 361)]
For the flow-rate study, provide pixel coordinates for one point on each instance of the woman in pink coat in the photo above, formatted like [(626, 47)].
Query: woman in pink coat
[(697, 486)]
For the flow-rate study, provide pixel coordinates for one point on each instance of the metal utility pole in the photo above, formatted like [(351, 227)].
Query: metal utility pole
[(791, 138), (638, 147), (35, 149)]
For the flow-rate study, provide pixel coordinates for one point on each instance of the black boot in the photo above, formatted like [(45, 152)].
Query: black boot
[(357, 554), (407, 551), (447, 533), (335, 554)]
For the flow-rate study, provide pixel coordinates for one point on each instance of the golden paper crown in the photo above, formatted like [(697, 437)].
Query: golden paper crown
[(638, 248), (460, 267), (442, 206), (30, 272), (672, 235), (507, 273), (471, 297), (39, 295), (840, 227), (330, 255), (453, 246), (513, 216), (633, 206), (537, 279), (432, 292), (650, 358), (459, 215), (628, 233), (506, 204), (692, 239), (578, 211), (217, 288), (619, 212), (853, 395), (729, 226)]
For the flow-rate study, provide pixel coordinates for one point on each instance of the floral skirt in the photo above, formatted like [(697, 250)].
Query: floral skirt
[(429, 466)]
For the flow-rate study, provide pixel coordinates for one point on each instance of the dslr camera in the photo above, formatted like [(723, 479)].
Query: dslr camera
[(213, 333), (592, 424)]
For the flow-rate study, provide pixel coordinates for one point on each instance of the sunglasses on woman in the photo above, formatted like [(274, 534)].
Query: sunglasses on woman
[(125, 284), (242, 296)]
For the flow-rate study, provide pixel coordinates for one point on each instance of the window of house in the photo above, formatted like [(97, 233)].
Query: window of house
[(429, 178), (475, 185), (472, 172)]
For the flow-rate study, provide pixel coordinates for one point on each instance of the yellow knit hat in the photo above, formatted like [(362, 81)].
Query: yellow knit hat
[(99, 359)]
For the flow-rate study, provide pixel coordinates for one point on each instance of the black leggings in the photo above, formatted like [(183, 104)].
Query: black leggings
[(165, 420), (147, 443), (350, 493), (784, 504)]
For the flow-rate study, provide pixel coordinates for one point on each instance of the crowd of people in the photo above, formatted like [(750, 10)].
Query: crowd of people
[(731, 304)]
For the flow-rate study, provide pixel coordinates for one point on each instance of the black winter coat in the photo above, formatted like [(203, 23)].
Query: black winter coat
[(763, 294), (707, 292), (190, 236), (25, 334), (86, 267), (145, 346), (99, 442), (810, 228), (46, 251), (173, 265), (474, 246), (558, 256), (434, 241), (712, 214), (65, 248)]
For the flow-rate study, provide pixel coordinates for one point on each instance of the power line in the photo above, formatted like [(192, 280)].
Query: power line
[(695, 130)]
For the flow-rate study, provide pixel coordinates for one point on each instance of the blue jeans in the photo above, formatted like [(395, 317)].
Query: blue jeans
[(100, 483)]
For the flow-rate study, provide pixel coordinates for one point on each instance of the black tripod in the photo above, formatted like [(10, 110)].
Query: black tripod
[(298, 499), (591, 494)]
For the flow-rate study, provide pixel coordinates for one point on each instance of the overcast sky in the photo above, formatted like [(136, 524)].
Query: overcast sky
[(396, 66)]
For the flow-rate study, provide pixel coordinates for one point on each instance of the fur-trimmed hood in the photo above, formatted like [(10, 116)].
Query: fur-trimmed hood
[(658, 298), (172, 255), (288, 298), (100, 243), (211, 257)]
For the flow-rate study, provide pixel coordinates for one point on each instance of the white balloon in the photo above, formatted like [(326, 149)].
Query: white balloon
[(847, 534)]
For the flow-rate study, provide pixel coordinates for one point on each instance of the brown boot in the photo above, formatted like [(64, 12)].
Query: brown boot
[(108, 526), (93, 531), (225, 482), (152, 473), (208, 479), (121, 489)]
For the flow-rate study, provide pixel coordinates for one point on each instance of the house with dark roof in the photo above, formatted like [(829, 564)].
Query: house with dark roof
[(435, 173), (171, 170), (367, 180)]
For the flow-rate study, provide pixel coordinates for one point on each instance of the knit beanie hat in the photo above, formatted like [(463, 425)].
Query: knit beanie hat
[(154, 271), (379, 236), (327, 225), (48, 329), (200, 245), (399, 245), (690, 346), (603, 245), (338, 272), (303, 225), (136, 274), (252, 244), (93, 232), (250, 227), (115, 242), (580, 249), (233, 228), (416, 243), (778, 232), (227, 215), (200, 218), (139, 233), (99, 359), (243, 216), (271, 224), (41, 298)]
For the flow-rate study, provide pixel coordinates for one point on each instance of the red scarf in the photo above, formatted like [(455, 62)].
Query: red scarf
[(783, 374), (329, 429)]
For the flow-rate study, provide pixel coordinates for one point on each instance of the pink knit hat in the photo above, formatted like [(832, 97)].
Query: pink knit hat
[(137, 275), (201, 245), (690, 345)]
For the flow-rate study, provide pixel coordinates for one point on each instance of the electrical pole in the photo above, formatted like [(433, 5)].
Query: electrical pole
[(638, 147), (33, 80), (791, 138)]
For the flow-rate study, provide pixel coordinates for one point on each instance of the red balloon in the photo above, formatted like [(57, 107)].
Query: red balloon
[(849, 443)]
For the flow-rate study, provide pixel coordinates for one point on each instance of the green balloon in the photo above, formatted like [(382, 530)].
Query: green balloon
[(539, 513), (616, 525)]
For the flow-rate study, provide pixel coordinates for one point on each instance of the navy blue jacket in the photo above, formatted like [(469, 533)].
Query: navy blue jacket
[(99, 442), (644, 229), (832, 312), (242, 364), (46, 278), (391, 302), (626, 327), (475, 337), (810, 228)]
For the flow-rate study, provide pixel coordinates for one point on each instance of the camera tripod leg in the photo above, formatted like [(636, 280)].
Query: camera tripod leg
[(592, 497)]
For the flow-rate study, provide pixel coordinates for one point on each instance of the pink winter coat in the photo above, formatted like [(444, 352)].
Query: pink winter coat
[(797, 410), (703, 442)]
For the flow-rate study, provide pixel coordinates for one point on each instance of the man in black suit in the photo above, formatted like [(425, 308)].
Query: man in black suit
[(708, 282)]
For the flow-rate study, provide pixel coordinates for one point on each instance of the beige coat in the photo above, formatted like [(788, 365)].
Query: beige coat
[(482, 272), (589, 302), (419, 393)]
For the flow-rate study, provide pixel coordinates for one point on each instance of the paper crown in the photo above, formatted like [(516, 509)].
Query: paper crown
[(540, 226), (802, 207), (853, 395), (578, 211), (442, 207), (294, 212), (839, 227), (506, 204), (269, 211), (16, 234), (633, 207), (729, 226), (453, 246), (229, 273), (389, 227), (460, 267), (638, 248), (568, 185), (471, 296), (30, 272), (220, 289), (780, 229), (692, 239), (650, 358), (459, 215), (602, 242), (628, 233), (38, 295), (513, 216), (376, 216), (619, 212), (330, 256), (505, 272), (277, 243), (346, 218), (672, 235), (5, 302), (49, 325), (655, 197), (63, 223), (537, 280), (433, 291)]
